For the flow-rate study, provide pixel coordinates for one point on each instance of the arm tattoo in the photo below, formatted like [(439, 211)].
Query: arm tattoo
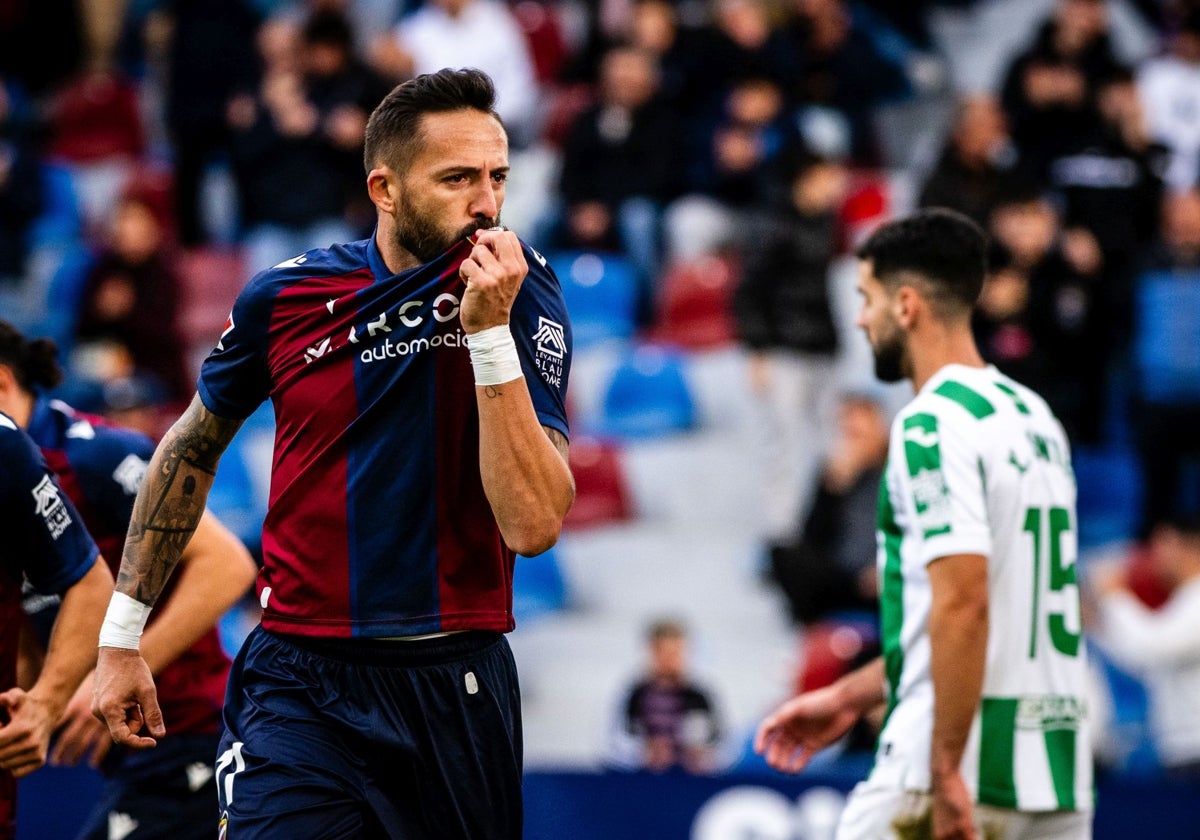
[(171, 500), (560, 442)]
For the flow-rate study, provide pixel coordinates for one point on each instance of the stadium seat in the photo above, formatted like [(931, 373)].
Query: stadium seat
[(647, 396), (834, 647), (694, 310), (1110, 491), (601, 491), (210, 281), (1166, 336), (60, 220), (539, 587), (600, 291)]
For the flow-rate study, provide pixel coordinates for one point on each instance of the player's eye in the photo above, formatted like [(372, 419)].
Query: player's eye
[(500, 177)]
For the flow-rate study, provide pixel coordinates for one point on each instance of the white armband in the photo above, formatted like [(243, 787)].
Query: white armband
[(124, 622), (494, 356)]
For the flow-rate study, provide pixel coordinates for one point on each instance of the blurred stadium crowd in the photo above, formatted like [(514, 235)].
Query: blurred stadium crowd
[(694, 169)]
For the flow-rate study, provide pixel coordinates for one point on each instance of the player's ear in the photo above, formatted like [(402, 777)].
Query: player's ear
[(383, 186), (905, 305)]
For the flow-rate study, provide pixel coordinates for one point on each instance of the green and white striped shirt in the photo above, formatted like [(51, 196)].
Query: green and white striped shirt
[(979, 465)]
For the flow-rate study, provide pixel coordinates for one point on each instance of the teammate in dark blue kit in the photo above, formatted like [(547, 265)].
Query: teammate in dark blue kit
[(44, 541), (168, 792), (418, 380)]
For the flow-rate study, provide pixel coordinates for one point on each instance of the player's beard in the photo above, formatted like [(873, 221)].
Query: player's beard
[(891, 355), (420, 234)]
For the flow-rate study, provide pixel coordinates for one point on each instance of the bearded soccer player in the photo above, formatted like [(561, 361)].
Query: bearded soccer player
[(418, 379), (983, 670)]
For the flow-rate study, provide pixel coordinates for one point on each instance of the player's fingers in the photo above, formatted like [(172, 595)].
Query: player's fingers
[(487, 259), (764, 735), (467, 269), (24, 768), (12, 699), (100, 749), (152, 714), (508, 250)]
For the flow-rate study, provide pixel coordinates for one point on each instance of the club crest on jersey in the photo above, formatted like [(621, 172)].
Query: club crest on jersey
[(551, 350), (49, 505)]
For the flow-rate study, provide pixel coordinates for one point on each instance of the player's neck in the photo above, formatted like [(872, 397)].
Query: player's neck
[(938, 346)]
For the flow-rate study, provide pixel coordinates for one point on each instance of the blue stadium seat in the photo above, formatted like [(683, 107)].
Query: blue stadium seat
[(601, 295), (60, 220), (1167, 335), (1110, 494), (237, 496), (648, 396), (539, 587)]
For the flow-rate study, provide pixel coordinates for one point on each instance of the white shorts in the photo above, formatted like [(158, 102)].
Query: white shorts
[(879, 813)]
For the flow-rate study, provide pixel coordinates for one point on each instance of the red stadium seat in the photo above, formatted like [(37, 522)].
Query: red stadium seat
[(694, 304), (601, 494), (211, 279)]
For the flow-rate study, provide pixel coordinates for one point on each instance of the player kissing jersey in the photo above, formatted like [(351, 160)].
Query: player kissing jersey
[(360, 540), (979, 465)]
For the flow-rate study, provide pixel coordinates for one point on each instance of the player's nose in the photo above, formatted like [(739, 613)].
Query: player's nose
[(485, 202)]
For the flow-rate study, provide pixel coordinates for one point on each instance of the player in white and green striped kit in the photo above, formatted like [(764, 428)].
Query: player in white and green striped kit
[(983, 671)]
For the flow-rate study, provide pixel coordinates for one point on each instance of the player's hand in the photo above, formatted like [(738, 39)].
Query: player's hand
[(493, 273), (26, 737), (802, 727), (124, 697), (953, 810), (81, 735)]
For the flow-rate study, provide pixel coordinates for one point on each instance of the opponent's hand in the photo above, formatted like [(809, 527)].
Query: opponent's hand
[(493, 273), (953, 809), (802, 727), (26, 737), (80, 734), (124, 697)]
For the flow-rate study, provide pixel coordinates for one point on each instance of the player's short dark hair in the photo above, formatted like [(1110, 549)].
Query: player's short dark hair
[(33, 363), (666, 628), (943, 249), (394, 125)]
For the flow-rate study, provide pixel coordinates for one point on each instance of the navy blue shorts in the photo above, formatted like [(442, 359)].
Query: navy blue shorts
[(164, 792), (365, 740)]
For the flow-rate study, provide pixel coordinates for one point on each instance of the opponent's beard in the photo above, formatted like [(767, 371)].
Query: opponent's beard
[(421, 236), (891, 360)]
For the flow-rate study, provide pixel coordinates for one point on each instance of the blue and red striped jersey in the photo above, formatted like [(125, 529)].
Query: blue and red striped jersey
[(45, 543), (377, 523), (100, 467)]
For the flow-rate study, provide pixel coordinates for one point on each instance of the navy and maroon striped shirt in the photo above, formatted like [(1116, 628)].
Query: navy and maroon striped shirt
[(377, 522)]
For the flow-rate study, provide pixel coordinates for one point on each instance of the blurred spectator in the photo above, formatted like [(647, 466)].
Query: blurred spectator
[(129, 320), (619, 167), (730, 168), (1051, 289), (666, 721), (978, 157), (1167, 357), (832, 566), (785, 318), (1049, 89), (843, 70), (1161, 646), (1111, 186), (96, 128), (21, 196), (294, 140), (468, 33), (137, 403), (1170, 85), (210, 56)]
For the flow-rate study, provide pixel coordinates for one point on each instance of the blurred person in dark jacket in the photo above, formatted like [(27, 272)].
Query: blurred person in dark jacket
[(295, 137), (1049, 89), (977, 158), (785, 319), (129, 320)]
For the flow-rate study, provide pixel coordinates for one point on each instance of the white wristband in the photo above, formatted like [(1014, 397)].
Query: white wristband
[(494, 356), (124, 622)]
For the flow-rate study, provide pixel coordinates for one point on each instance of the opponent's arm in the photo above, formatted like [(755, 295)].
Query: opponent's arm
[(166, 512), (958, 634), (69, 656), (523, 465)]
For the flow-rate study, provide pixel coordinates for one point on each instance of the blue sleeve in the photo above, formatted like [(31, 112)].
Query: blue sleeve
[(47, 540), (235, 378), (542, 332), (110, 467)]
